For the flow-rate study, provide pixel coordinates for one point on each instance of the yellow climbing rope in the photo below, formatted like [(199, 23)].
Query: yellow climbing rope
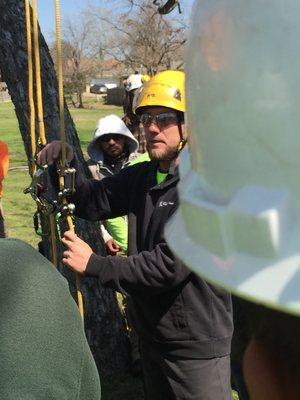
[(38, 75), (63, 167), (63, 170), (42, 137), (30, 88)]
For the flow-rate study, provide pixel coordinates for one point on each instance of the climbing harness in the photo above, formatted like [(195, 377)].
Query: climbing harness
[(48, 209)]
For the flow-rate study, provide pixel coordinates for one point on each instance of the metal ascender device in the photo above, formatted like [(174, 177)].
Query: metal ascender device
[(47, 203), (67, 188)]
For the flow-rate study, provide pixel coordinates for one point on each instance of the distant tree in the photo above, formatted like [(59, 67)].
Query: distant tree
[(75, 76), (82, 53), (142, 39)]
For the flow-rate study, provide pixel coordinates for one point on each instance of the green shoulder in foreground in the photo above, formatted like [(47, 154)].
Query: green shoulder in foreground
[(43, 349)]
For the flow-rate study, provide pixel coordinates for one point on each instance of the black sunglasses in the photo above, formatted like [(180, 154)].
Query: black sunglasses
[(162, 120), (113, 136)]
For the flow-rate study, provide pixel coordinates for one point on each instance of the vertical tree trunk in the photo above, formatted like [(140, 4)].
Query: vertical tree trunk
[(103, 322), (80, 101)]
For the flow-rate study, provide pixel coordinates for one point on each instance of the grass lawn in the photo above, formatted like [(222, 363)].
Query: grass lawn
[(19, 208), (9, 133)]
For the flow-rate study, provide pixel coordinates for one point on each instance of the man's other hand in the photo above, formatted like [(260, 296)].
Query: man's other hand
[(112, 247), (52, 153), (77, 254)]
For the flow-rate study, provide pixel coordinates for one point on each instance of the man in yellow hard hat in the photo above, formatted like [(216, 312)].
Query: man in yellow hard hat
[(184, 324)]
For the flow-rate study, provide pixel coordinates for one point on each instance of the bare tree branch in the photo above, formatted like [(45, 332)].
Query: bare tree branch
[(140, 38)]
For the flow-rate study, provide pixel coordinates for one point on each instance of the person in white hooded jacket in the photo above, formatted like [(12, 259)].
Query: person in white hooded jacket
[(112, 148)]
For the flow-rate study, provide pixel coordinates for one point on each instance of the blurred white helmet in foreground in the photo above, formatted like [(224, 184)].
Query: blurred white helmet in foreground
[(238, 224)]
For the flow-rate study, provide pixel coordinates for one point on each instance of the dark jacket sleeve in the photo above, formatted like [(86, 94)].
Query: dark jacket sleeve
[(98, 200), (149, 272)]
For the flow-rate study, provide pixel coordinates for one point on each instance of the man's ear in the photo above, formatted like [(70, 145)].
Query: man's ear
[(184, 130)]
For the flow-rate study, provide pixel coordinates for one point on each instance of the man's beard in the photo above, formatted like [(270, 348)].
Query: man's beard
[(167, 155)]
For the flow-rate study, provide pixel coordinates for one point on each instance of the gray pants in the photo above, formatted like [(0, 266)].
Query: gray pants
[(170, 378)]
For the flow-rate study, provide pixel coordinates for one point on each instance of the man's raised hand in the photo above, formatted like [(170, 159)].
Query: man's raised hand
[(52, 153)]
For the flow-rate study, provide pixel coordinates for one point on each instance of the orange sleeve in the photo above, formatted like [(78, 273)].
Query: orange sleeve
[(4, 163), (4, 160)]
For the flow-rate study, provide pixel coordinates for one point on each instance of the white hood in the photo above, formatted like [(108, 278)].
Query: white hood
[(111, 124)]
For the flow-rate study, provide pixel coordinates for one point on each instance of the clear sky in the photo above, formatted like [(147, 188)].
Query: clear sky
[(46, 12)]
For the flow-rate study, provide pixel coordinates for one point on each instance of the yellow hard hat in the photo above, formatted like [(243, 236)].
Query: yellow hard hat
[(165, 89)]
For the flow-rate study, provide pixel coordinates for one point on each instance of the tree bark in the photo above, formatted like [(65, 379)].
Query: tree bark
[(104, 323)]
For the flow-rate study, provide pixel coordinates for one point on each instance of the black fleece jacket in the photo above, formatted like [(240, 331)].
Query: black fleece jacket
[(177, 311)]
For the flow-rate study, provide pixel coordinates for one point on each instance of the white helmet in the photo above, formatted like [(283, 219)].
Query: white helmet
[(238, 224), (134, 82)]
